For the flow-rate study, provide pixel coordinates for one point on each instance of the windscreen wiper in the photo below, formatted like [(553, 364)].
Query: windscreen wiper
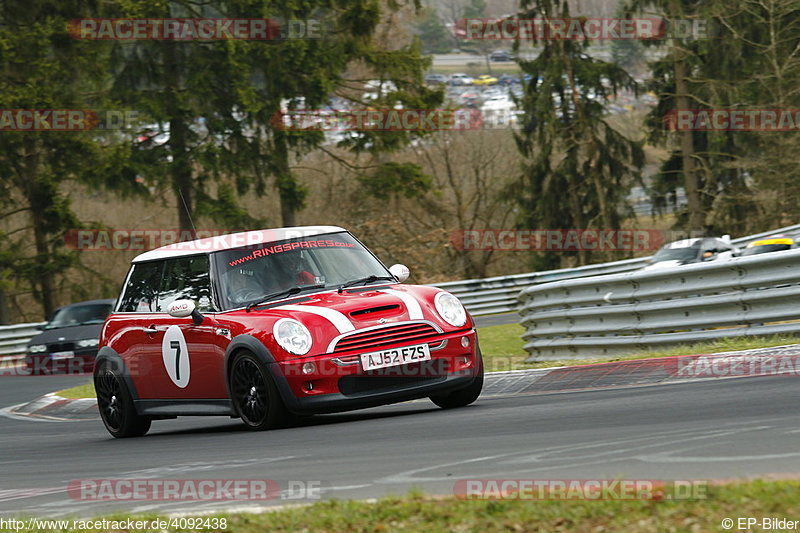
[(288, 292), (364, 281)]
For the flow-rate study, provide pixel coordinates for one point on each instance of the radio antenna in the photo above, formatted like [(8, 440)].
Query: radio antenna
[(188, 213)]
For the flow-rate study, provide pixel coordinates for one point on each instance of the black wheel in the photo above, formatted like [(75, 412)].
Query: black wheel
[(255, 395), (116, 405), (465, 396)]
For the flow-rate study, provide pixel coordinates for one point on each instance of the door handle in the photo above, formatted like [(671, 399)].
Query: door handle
[(150, 330)]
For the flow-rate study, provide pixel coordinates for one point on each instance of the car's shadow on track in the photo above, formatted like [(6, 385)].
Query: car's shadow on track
[(235, 426)]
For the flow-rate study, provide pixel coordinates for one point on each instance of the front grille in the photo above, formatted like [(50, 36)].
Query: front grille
[(61, 347), (375, 339)]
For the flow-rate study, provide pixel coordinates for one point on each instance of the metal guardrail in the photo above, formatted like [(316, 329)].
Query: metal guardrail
[(499, 294), (636, 311), (14, 338)]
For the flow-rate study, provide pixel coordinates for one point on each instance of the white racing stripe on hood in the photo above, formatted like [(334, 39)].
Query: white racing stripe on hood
[(412, 305), (341, 322)]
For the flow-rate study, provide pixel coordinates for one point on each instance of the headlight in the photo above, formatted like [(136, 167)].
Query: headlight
[(37, 348), (292, 336), (88, 343), (450, 309)]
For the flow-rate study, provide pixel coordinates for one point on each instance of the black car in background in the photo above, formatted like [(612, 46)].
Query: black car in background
[(68, 342), (501, 55)]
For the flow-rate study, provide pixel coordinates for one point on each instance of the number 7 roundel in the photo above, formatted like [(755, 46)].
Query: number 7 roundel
[(176, 356)]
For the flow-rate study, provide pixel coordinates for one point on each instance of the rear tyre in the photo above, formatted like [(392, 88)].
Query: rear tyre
[(116, 404), (255, 396), (465, 396)]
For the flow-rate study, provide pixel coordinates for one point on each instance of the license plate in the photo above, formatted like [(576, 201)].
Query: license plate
[(62, 355), (395, 357)]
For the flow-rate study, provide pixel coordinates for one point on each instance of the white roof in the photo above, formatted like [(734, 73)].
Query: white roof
[(233, 240)]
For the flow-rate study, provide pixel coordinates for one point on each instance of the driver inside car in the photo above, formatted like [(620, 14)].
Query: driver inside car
[(243, 285), (296, 269)]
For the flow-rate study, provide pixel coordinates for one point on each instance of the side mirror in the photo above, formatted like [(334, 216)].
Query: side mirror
[(400, 272), (184, 308)]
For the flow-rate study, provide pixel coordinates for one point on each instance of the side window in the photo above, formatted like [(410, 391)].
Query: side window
[(141, 290), (185, 278)]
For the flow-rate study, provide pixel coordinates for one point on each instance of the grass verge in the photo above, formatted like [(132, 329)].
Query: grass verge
[(502, 349), (417, 512), (81, 391)]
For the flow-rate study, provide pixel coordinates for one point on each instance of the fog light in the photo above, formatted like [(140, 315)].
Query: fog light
[(309, 368), (465, 341), (309, 385), (463, 360)]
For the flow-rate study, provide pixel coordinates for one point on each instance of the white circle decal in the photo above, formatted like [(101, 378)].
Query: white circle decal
[(176, 356)]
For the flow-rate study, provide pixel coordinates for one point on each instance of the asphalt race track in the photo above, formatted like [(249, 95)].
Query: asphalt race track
[(698, 430)]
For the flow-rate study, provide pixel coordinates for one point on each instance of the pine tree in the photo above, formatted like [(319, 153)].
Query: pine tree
[(44, 68), (579, 168)]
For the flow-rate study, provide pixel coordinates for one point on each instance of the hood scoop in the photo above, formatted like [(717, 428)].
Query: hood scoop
[(362, 313)]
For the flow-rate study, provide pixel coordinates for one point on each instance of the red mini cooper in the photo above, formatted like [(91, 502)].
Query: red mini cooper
[(263, 325)]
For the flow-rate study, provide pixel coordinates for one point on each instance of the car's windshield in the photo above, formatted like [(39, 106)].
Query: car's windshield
[(252, 274), (79, 315), (675, 254)]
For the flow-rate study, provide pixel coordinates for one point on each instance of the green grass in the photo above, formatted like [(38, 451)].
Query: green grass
[(502, 350), (81, 391), (417, 512), (501, 347)]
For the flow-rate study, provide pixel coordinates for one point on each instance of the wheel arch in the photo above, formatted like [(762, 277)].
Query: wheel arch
[(253, 345), (107, 354)]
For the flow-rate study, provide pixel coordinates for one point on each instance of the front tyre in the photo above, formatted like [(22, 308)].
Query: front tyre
[(254, 394), (116, 404), (465, 396)]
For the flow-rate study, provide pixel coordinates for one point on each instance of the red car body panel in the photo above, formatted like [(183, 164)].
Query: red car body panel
[(143, 358)]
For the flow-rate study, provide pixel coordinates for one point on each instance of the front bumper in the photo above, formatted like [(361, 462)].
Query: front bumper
[(338, 382)]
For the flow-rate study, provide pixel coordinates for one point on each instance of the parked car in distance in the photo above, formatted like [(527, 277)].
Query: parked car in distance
[(694, 250), (501, 55), (776, 243), (484, 79), (508, 79), (460, 78), (68, 342), (436, 79), (269, 324)]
